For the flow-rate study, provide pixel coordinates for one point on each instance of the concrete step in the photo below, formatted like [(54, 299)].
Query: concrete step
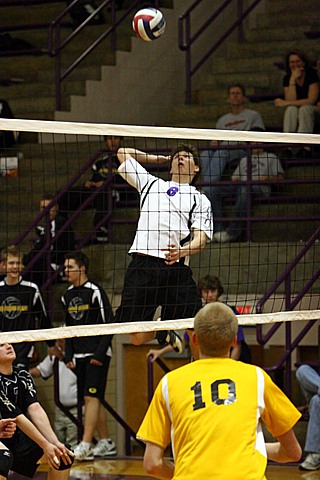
[(40, 38), (23, 106), (292, 17), (273, 33), (276, 6), (277, 33), (220, 80), (83, 73), (283, 231), (269, 47), (248, 64), (30, 13), (32, 89), (29, 67), (49, 115)]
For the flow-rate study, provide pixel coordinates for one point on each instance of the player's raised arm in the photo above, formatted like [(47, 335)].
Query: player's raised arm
[(142, 157)]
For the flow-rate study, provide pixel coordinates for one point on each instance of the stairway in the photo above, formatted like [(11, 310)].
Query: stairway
[(34, 97)]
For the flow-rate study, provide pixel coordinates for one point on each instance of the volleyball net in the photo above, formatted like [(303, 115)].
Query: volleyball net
[(268, 263)]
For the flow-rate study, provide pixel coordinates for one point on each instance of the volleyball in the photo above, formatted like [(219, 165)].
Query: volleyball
[(149, 24)]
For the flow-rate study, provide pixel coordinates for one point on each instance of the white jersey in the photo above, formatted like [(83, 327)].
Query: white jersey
[(169, 211), (68, 395)]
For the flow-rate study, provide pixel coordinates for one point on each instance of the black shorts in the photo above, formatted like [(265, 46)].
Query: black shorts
[(26, 453), (150, 283), (91, 379)]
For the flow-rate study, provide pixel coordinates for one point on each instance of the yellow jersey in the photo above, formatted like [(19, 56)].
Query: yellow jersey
[(211, 411)]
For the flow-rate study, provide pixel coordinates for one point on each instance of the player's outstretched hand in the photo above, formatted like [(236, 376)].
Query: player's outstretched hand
[(7, 427)]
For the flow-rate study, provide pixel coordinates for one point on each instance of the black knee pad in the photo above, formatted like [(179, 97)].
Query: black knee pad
[(6, 460), (62, 465)]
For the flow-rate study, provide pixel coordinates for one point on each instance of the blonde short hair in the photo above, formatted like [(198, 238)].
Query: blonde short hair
[(11, 250), (216, 326)]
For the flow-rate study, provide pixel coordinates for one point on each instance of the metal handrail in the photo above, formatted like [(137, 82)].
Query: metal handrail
[(290, 304), (55, 46), (187, 40)]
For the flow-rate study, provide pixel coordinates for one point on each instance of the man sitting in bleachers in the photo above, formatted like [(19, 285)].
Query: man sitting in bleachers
[(264, 166)]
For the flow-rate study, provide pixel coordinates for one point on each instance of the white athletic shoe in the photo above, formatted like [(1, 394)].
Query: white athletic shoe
[(104, 447), (83, 451), (312, 462)]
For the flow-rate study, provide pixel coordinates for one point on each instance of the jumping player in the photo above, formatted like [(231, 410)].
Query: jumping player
[(33, 442), (86, 303), (212, 409), (175, 222)]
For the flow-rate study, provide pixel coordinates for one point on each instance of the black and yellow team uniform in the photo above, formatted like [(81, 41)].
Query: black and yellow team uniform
[(17, 393), (88, 305), (22, 308), (212, 412)]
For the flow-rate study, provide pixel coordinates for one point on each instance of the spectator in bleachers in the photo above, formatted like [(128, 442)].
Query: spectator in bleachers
[(309, 381), (63, 244), (215, 160), (264, 166), (301, 92), (100, 170)]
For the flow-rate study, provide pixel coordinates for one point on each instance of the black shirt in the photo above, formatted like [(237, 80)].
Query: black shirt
[(87, 304)]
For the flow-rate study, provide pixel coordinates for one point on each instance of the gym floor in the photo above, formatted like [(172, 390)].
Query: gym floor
[(132, 469)]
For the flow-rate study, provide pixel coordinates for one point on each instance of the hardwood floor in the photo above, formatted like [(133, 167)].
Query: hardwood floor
[(132, 469)]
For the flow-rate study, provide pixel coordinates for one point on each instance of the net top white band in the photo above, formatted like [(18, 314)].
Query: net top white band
[(133, 327), (78, 128)]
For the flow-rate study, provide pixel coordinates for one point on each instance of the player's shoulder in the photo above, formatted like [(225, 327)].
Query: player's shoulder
[(91, 284), (94, 288), (27, 284)]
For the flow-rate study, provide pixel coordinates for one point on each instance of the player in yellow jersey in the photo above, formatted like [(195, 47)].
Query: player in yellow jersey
[(212, 409)]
